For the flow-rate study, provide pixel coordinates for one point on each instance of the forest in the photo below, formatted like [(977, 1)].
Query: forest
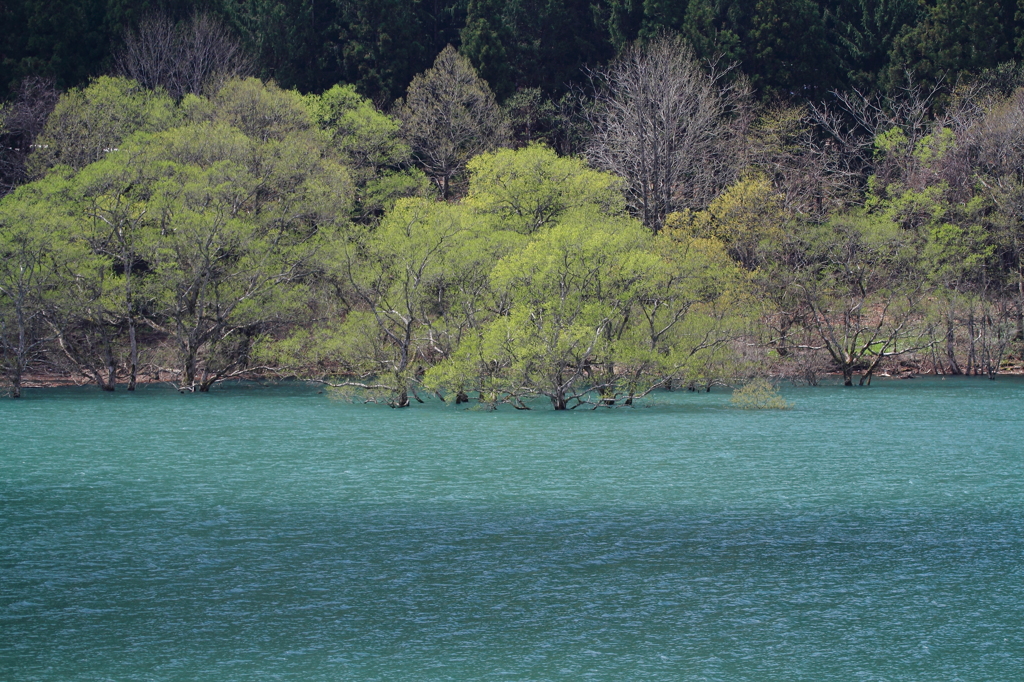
[(502, 202)]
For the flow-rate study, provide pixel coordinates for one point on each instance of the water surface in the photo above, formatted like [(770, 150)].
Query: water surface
[(271, 533)]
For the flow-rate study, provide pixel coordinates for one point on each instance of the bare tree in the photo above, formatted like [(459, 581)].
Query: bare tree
[(813, 175), (183, 58), (449, 115), (886, 136), (670, 126)]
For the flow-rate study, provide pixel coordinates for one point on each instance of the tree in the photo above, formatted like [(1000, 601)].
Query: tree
[(567, 294), (530, 189), (64, 41), (382, 44), (262, 111), (91, 122), (954, 36), (449, 115), (865, 31), (35, 262), (788, 52), (21, 122), (415, 285), (111, 200), (368, 143), (862, 287), (669, 128), (235, 223), (685, 315), (181, 58), (483, 40)]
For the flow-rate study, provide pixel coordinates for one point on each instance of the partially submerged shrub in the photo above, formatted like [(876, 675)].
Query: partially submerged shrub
[(759, 394)]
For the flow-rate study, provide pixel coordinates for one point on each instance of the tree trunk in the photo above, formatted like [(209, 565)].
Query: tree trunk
[(847, 375), (954, 368), (188, 372), (111, 381), (133, 355), (14, 376), (971, 361), (558, 397)]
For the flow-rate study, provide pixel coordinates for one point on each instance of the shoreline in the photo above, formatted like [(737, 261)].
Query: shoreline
[(41, 380)]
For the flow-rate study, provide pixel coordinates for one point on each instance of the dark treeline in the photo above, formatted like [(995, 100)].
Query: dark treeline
[(788, 48), (397, 230)]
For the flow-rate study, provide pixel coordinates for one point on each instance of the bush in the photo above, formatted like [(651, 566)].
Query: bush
[(759, 394)]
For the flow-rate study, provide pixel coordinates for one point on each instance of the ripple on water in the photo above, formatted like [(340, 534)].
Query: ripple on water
[(272, 533)]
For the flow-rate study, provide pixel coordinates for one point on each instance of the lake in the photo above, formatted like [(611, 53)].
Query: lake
[(273, 533)]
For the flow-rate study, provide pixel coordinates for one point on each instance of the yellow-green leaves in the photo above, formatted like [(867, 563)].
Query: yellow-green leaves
[(528, 189), (91, 122), (748, 218), (759, 394), (365, 136), (262, 111)]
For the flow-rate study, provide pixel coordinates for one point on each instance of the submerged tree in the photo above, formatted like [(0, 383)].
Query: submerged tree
[(235, 221), (566, 294), (415, 285), (36, 261), (862, 287)]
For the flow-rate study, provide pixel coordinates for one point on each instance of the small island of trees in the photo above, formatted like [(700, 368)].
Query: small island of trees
[(665, 222)]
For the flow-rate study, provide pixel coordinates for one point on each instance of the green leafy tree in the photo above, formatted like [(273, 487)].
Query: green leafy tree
[(567, 293), (90, 122), (262, 111), (36, 262), (415, 285), (686, 313), (369, 144), (110, 199), (863, 287), (759, 394), (531, 188)]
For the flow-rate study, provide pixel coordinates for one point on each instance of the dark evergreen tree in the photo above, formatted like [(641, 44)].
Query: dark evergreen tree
[(788, 53), (864, 32), (294, 42), (717, 28), (955, 36), (484, 38)]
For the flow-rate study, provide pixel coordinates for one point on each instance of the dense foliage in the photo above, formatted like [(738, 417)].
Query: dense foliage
[(666, 228), (788, 48)]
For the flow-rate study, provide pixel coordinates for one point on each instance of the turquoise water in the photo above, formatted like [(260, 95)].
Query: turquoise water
[(270, 533)]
